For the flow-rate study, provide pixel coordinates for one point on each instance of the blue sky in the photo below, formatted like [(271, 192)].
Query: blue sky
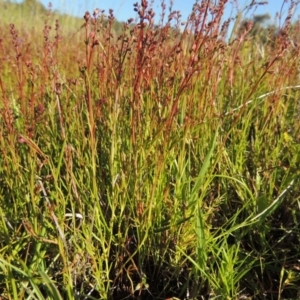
[(123, 9)]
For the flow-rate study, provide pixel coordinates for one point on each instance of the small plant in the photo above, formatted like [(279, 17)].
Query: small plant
[(149, 160)]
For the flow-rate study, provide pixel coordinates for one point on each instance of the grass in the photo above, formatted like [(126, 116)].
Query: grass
[(161, 162)]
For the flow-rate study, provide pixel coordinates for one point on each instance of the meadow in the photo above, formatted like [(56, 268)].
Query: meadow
[(152, 161)]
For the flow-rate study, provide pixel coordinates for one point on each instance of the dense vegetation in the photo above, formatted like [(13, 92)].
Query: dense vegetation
[(158, 162)]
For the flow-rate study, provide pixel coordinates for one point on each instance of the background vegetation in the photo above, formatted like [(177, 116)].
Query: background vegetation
[(151, 162)]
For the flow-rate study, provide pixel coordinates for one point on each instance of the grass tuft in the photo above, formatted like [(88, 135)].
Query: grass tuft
[(148, 160)]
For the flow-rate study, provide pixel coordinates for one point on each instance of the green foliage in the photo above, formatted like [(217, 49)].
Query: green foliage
[(147, 163)]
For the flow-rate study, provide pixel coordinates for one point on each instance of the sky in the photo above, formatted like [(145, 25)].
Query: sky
[(123, 9)]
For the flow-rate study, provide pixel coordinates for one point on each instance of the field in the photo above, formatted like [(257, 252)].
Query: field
[(149, 161)]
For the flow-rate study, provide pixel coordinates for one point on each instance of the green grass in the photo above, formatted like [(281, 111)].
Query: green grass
[(148, 164)]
